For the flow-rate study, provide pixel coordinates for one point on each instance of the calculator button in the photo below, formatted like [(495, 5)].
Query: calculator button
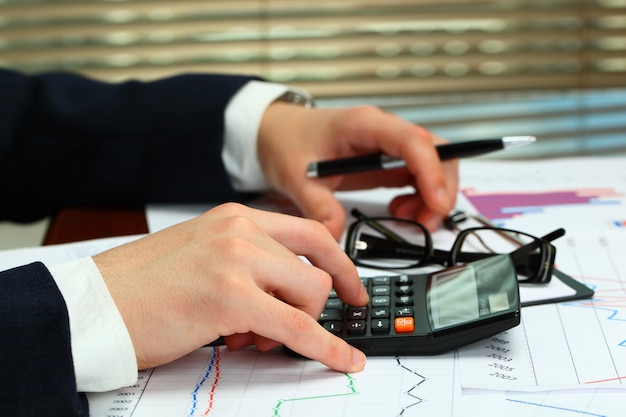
[(332, 314), (404, 312), (381, 290), (404, 280), (380, 313), (333, 326), (356, 327), (404, 290), (380, 326), (357, 313), (380, 280), (404, 325), (334, 303), (381, 301), (404, 301)]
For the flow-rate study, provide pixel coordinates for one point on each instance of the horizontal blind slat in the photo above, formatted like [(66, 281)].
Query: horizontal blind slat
[(348, 48)]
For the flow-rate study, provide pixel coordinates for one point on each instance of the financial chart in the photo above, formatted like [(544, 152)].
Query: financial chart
[(219, 382), (566, 359)]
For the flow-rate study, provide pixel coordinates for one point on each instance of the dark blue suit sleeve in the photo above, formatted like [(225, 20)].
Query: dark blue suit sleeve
[(69, 140), (36, 367)]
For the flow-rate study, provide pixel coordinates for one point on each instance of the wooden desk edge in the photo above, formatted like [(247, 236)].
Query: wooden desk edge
[(74, 224)]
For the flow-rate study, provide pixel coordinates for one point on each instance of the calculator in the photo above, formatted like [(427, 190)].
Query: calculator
[(425, 314)]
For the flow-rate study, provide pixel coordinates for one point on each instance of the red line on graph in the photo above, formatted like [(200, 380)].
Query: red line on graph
[(216, 380), (619, 378)]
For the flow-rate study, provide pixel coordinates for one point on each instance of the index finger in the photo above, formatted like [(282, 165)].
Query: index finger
[(311, 239), (304, 335), (371, 130)]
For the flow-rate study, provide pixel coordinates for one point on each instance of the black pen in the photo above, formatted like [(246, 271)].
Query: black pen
[(446, 151)]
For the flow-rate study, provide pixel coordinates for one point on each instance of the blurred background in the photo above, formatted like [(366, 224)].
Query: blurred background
[(466, 69)]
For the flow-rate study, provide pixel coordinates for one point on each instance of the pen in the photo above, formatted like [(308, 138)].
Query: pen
[(445, 151)]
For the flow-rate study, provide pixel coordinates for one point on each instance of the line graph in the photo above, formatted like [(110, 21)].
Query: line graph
[(351, 391), (247, 383), (218, 382), (412, 392), (569, 410), (251, 384), (587, 343), (212, 373)]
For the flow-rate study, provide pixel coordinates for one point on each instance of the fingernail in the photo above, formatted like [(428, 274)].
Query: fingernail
[(364, 295), (358, 359)]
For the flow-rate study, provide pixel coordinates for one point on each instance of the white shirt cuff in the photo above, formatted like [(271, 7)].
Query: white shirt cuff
[(103, 352), (242, 120)]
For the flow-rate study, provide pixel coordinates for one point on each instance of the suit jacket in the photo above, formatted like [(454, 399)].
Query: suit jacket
[(67, 140), (36, 367)]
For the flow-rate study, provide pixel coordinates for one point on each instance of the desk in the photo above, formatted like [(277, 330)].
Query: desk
[(592, 251), (74, 224)]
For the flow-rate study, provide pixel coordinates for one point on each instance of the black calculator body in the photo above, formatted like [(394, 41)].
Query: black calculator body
[(425, 314)]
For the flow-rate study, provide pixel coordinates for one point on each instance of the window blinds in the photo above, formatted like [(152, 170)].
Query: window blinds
[(399, 52)]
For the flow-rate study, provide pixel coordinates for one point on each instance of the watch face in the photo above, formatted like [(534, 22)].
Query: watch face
[(296, 98)]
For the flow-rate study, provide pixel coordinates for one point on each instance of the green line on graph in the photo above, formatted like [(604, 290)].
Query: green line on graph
[(351, 391)]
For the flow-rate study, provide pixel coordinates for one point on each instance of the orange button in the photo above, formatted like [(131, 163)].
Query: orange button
[(404, 325)]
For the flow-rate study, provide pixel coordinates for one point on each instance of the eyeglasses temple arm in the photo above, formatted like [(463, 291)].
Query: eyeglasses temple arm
[(554, 235), (377, 226)]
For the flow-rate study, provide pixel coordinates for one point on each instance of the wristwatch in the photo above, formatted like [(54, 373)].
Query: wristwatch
[(297, 98)]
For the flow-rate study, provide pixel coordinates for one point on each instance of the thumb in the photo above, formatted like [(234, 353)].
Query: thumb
[(318, 202)]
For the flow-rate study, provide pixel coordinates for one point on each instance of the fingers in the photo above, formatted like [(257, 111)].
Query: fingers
[(411, 207), (301, 333), (232, 270), (265, 245), (415, 145), (312, 240), (290, 236), (290, 294), (358, 131), (318, 202)]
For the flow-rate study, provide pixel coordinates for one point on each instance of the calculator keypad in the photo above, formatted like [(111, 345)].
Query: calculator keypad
[(390, 310), (404, 315)]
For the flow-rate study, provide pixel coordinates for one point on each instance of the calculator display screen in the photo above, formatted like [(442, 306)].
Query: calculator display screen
[(453, 298), (466, 294)]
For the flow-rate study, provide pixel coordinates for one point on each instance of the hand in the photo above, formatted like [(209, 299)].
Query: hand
[(233, 272), (290, 137)]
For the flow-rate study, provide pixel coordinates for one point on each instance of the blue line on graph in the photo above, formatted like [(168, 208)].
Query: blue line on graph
[(613, 311), (205, 377), (571, 410), (522, 209), (612, 316), (600, 202), (542, 208)]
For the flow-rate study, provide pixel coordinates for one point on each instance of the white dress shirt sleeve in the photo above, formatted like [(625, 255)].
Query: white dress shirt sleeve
[(103, 352), (242, 119)]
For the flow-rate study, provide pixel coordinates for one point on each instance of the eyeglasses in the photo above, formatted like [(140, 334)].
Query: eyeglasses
[(390, 243)]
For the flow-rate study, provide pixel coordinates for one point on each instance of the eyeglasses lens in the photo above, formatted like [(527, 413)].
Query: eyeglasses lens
[(389, 244), (527, 252)]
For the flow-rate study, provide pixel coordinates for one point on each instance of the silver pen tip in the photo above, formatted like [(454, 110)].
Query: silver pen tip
[(311, 170), (514, 141)]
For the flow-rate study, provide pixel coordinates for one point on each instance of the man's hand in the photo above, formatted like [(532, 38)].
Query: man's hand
[(233, 272), (290, 137)]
